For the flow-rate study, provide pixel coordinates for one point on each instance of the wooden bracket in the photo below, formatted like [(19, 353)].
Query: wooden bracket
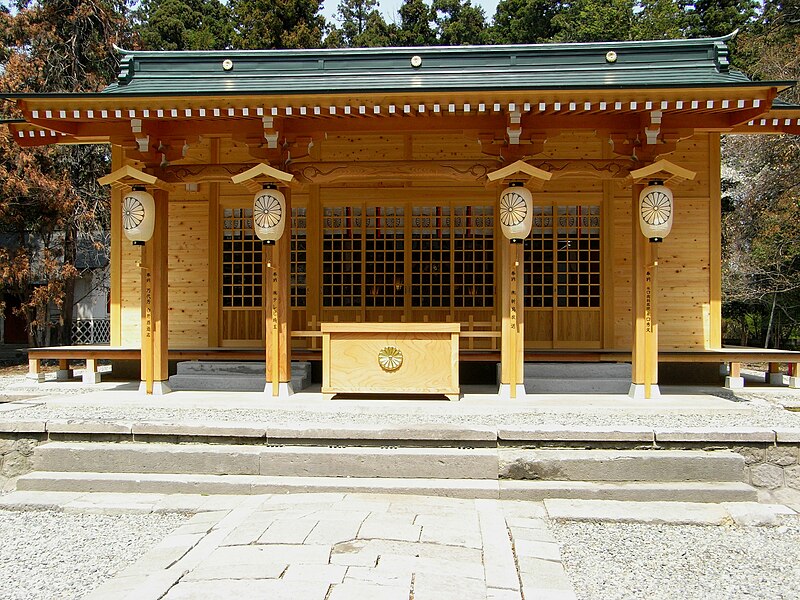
[(662, 170), (520, 170), (253, 178), (126, 177)]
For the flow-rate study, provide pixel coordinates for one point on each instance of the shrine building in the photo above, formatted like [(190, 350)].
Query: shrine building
[(398, 177)]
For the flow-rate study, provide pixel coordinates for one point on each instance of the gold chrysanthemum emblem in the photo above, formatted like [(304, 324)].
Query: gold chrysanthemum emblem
[(390, 358)]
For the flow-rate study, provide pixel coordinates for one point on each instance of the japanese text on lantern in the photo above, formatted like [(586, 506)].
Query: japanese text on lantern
[(648, 301), (148, 304)]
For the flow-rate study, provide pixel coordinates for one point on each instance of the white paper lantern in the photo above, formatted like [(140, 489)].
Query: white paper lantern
[(656, 211), (138, 215), (269, 214), (516, 212)]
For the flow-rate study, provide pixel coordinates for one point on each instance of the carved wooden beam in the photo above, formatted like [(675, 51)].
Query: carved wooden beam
[(199, 173), (596, 169), (334, 172)]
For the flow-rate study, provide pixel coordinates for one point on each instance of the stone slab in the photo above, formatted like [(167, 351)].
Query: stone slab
[(716, 434), (90, 427), (200, 429), (351, 591), (566, 434), (498, 556), (751, 514), (207, 459), (24, 500), (356, 461), (378, 432), (787, 435), (621, 465), (228, 589), (429, 586), (23, 426), (315, 573), (671, 513)]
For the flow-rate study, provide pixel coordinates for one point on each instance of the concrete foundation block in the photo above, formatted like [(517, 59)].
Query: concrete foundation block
[(160, 388), (284, 389), (91, 376), (794, 382), (637, 391), (505, 391), (734, 383), (38, 377), (775, 378), (63, 374)]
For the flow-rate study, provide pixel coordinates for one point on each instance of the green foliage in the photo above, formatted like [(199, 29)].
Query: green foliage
[(525, 21), (183, 25), (416, 24), (459, 23), (264, 24), (361, 26), (714, 18), (594, 21), (660, 20)]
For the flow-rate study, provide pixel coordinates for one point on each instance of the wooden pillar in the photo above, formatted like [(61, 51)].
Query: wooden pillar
[(512, 361), (155, 304), (115, 258), (644, 350), (277, 333)]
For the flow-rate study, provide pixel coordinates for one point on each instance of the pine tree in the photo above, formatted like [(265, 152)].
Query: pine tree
[(183, 25), (458, 23), (525, 21), (416, 19), (264, 24)]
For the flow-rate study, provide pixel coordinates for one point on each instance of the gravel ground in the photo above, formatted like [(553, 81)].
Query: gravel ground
[(46, 555), (612, 561)]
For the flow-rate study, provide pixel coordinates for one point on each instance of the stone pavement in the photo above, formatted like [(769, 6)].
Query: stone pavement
[(338, 546), (350, 546)]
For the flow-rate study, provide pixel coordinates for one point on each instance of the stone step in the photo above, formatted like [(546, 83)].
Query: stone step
[(573, 385), (148, 483), (621, 465), (577, 370), (230, 367), (309, 461), (686, 491), (159, 483), (239, 376)]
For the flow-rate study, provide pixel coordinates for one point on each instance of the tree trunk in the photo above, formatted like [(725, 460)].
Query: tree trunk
[(771, 318)]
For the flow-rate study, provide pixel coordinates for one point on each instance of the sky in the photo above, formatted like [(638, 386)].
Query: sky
[(389, 8)]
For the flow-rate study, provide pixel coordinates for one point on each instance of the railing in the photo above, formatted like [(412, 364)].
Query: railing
[(89, 332)]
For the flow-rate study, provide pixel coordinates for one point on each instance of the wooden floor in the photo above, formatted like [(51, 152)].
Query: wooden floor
[(722, 355)]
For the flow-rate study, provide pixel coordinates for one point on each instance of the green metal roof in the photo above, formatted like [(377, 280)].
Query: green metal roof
[(697, 63)]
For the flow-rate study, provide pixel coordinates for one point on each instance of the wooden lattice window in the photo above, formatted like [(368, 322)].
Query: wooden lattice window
[(384, 262), (473, 256), (563, 258), (298, 258), (579, 257), (241, 260), (430, 256), (539, 257), (342, 246)]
